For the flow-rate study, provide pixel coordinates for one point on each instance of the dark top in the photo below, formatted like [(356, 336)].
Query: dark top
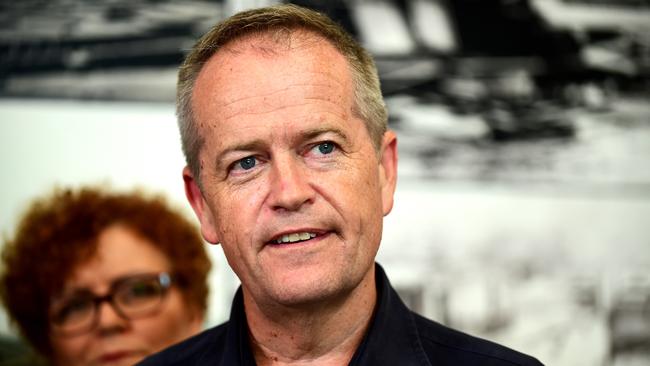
[(397, 336)]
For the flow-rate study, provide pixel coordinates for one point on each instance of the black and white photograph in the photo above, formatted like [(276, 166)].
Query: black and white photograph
[(522, 207)]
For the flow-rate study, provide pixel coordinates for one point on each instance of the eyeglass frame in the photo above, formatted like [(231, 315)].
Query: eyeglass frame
[(164, 279)]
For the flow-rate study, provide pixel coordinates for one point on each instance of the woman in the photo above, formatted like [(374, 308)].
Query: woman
[(99, 278)]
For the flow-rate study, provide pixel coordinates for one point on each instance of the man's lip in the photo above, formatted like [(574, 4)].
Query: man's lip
[(318, 232)]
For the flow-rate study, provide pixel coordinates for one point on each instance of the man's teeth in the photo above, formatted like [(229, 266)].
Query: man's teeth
[(292, 238)]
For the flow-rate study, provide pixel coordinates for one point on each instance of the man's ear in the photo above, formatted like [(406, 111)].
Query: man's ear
[(388, 170), (200, 207)]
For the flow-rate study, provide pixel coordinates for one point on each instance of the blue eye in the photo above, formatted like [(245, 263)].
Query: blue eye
[(326, 147), (247, 163)]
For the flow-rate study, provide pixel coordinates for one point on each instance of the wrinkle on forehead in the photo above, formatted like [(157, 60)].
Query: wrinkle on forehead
[(285, 89), (289, 97)]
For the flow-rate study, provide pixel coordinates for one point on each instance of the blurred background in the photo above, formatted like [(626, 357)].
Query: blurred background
[(522, 211)]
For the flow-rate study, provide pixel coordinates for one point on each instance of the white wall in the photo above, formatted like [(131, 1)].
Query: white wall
[(535, 248)]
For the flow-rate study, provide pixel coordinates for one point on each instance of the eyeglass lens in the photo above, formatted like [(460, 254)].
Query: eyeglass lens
[(131, 297)]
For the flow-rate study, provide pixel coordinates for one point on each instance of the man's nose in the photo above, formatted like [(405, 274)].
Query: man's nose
[(109, 320), (290, 184)]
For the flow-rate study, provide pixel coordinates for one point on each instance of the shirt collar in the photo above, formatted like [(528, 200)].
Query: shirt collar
[(237, 350), (392, 338)]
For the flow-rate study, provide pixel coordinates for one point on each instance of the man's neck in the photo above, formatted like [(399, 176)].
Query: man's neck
[(324, 334)]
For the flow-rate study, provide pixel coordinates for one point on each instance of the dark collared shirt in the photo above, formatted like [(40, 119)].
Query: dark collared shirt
[(396, 336)]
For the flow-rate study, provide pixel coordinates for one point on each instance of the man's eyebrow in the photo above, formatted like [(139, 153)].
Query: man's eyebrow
[(318, 131), (244, 146), (304, 135)]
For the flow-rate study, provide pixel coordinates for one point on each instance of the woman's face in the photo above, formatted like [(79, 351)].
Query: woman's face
[(116, 340)]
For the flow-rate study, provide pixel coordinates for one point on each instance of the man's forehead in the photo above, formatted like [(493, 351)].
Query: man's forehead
[(249, 76)]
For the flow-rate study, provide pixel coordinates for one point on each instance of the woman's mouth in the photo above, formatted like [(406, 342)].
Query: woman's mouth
[(112, 357)]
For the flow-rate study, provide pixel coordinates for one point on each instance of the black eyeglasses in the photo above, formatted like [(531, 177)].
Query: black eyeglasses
[(131, 297)]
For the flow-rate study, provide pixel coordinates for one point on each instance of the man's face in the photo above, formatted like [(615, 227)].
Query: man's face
[(293, 187)]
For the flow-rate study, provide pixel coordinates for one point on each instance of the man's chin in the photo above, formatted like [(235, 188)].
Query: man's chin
[(300, 293)]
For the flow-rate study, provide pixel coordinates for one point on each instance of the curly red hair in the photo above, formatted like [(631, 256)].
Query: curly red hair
[(60, 231)]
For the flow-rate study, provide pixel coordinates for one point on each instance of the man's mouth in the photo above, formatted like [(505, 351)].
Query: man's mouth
[(298, 235), (294, 238)]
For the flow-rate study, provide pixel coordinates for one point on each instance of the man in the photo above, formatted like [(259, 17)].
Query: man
[(291, 169)]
